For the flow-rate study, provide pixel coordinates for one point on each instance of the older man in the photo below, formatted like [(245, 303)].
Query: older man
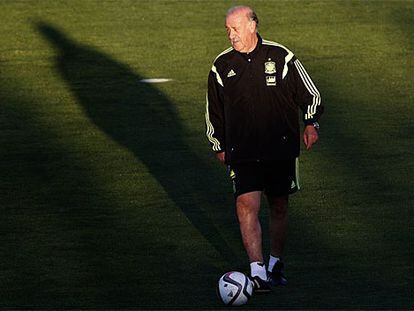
[(255, 90)]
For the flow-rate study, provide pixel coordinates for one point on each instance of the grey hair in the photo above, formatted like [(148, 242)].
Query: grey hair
[(250, 13)]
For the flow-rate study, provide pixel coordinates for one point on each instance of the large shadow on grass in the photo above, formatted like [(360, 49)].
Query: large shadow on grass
[(58, 250), (142, 119)]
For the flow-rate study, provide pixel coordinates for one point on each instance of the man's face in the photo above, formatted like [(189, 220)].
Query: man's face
[(240, 31)]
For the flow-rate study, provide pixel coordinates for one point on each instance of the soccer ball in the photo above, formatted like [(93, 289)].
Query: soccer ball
[(234, 288)]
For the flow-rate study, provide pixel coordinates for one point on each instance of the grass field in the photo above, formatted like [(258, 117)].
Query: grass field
[(111, 198)]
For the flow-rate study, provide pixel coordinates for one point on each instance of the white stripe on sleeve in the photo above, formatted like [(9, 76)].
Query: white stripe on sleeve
[(210, 129), (310, 86)]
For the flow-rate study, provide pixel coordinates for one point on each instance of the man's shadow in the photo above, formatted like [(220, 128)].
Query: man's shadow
[(142, 119)]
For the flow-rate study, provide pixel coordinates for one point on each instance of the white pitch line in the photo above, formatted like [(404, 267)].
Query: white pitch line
[(155, 80)]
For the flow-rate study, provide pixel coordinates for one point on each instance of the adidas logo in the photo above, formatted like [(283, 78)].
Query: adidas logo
[(293, 185), (231, 73)]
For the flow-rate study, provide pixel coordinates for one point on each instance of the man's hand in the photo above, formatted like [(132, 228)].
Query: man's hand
[(220, 156), (310, 136)]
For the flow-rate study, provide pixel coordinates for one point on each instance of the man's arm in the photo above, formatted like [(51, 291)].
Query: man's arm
[(308, 98), (214, 115)]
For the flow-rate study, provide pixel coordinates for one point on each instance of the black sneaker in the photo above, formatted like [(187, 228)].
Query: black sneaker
[(259, 285), (277, 277)]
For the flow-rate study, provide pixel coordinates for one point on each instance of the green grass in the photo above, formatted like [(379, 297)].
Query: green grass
[(111, 198)]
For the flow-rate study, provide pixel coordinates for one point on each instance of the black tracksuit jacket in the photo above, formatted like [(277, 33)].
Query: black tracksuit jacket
[(253, 101)]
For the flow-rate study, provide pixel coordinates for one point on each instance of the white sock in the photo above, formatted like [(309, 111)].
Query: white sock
[(258, 268), (272, 261)]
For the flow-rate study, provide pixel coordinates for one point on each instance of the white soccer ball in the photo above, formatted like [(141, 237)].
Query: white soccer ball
[(234, 288)]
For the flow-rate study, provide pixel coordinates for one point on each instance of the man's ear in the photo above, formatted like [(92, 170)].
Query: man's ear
[(252, 26)]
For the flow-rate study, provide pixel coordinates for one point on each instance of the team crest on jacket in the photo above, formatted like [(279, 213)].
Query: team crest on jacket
[(270, 67)]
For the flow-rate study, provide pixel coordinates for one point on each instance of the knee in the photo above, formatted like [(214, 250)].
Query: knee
[(246, 210), (278, 207)]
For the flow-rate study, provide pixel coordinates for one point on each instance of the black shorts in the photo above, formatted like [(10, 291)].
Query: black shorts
[(275, 178)]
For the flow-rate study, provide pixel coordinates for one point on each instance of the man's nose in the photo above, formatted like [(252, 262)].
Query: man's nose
[(231, 34)]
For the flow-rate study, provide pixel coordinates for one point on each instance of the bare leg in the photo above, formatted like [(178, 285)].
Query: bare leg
[(248, 206), (278, 224)]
